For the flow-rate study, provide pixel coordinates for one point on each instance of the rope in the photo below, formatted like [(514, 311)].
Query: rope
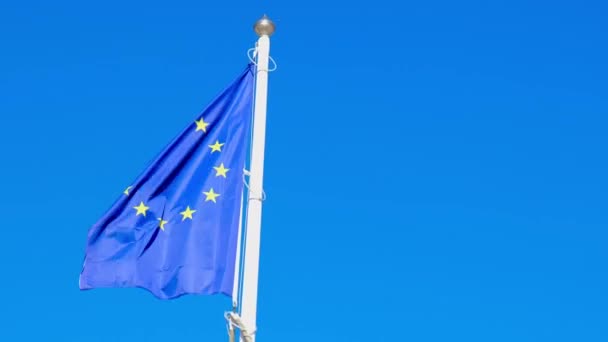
[(252, 54), (252, 196), (233, 320)]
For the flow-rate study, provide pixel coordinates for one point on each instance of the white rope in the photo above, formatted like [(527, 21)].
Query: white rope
[(238, 260), (252, 196), (244, 226), (253, 52), (234, 321)]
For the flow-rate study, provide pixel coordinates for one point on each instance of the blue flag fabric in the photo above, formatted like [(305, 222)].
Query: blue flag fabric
[(173, 231)]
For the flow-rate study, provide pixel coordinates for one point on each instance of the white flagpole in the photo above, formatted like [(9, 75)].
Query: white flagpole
[(264, 29)]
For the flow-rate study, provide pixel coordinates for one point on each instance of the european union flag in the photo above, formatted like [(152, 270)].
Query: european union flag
[(173, 231)]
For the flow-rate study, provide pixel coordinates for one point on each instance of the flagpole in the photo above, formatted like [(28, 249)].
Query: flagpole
[(264, 28)]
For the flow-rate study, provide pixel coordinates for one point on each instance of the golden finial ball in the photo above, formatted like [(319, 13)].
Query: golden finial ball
[(264, 26)]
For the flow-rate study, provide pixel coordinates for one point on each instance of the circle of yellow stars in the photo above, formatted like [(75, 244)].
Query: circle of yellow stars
[(210, 196)]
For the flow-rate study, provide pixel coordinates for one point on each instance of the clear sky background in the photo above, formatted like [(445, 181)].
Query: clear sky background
[(436, 171)]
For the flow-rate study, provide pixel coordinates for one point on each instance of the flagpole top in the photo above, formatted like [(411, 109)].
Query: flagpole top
[(264, 26)]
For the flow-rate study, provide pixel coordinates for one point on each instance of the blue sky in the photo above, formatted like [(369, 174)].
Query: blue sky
[(436, 171)]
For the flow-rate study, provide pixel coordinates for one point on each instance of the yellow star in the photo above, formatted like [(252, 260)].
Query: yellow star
[(126, 192), (162, 224), (141, 209), (216, 147), (201, 125), (221, 170), (211, 196), (187, 213)]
